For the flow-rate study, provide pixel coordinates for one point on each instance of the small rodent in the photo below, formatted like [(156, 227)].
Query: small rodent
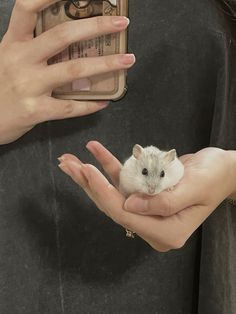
[(150, 171)]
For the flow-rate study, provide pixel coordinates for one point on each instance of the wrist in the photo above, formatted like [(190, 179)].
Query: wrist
[(232, 158)]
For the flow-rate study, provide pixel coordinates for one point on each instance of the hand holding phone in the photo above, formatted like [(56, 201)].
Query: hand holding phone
[(106, 86), (26, 79)]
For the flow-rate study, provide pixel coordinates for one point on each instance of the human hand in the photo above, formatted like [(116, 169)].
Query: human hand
[(27, 81), (169, 218)]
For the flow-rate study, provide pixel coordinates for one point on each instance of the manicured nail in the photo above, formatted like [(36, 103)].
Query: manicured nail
[(120, 21), (128, 59), (135, 204)]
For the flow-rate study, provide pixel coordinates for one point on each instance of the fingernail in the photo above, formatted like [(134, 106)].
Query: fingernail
[(92, 149), (120, 21), (128, 59), (135, 204), (62, 158), (103, 103), (64, 168)]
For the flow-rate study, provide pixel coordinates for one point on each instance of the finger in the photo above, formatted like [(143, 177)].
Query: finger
[(109, 163), (167, 203), (24, 18), (104, 194), (161, 233), (65, 72), (185, 158), (73, 169), (97, 188), (57, 109), (61, 36), (108, 199), (70, 157)]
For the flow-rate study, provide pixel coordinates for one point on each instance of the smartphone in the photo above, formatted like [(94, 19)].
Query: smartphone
[(109, 86)]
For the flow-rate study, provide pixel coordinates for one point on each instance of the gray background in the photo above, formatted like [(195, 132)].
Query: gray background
[(59, 254)]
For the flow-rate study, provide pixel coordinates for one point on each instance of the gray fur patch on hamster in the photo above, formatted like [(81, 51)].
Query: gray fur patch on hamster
[(150, 171)]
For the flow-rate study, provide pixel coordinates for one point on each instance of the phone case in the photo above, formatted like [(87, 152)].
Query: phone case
[(109, 86)]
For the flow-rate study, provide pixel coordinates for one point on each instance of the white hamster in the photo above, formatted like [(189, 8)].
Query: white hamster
[(150, 171)]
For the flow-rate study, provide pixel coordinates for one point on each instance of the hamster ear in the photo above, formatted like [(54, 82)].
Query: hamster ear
[(170, 156), (137, 151)]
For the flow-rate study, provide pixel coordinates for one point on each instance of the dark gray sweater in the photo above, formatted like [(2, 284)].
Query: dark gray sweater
[(58, 253)]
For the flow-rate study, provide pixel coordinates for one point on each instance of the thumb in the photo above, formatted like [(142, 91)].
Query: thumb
[(57, 109), (166, 203)]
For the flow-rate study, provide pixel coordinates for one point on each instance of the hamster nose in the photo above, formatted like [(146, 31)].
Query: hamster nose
[(151, 190)]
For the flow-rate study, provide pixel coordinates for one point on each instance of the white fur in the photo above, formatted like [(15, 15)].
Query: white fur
[(132, 180)]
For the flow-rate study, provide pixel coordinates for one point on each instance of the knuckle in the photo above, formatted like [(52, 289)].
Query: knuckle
[(75, 70), (167, 207), (160, 249), (160, 246), (147, 207), (81, 69), (14, 54), (99, 24), (24, 5), (68, 108), (122, 219), (17, 53), (109, 62), (86, 107), (21, 4), (30, 112), (107, 164), (63, 33), (177, 243), (20, 87)]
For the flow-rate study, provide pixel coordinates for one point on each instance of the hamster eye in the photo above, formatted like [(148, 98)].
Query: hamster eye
[(145, 172), (162, 174)]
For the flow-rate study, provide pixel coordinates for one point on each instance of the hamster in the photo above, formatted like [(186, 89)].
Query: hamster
[(150, 171)]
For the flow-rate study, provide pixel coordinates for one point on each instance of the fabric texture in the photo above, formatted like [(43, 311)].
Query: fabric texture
[(59, 254)]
